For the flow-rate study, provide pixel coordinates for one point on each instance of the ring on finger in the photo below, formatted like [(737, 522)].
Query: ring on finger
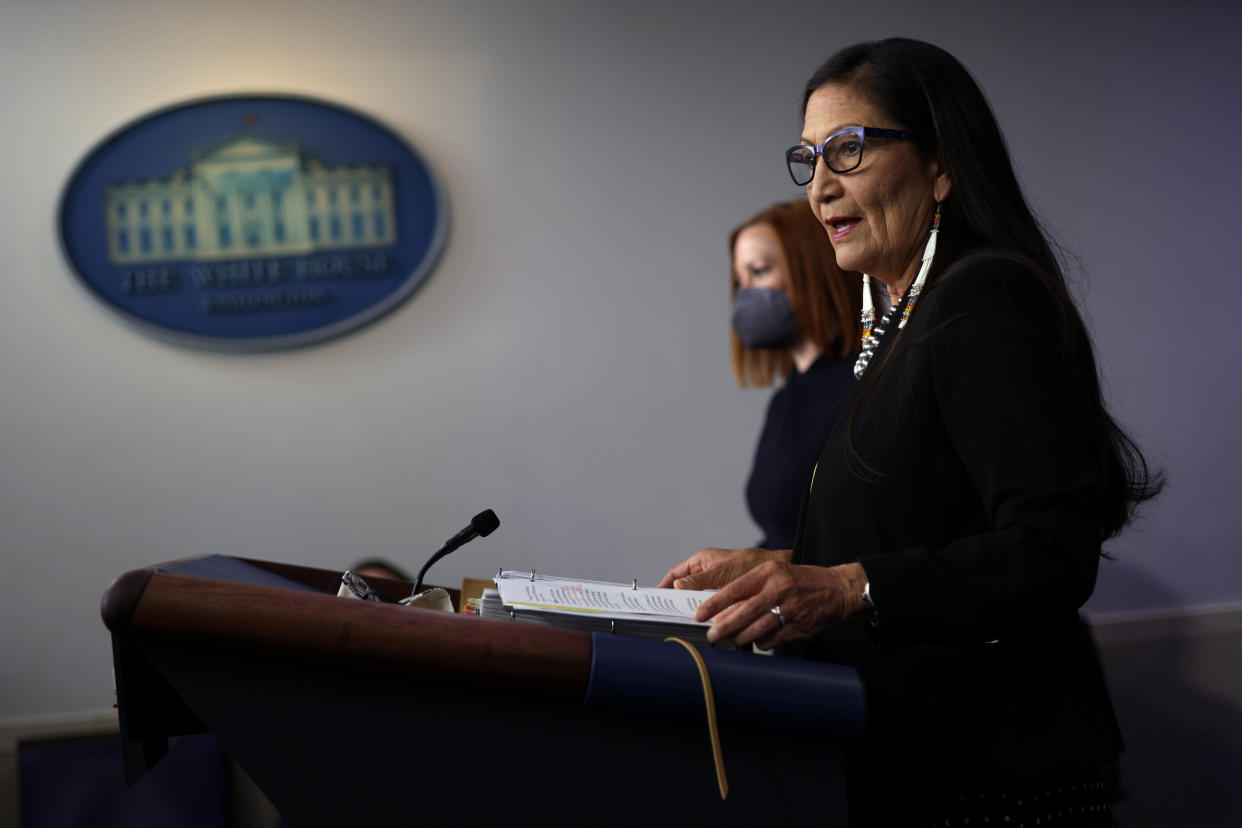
[(776, 610)]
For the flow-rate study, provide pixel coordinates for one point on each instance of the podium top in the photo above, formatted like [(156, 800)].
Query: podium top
[(291, 614), (287, 612)]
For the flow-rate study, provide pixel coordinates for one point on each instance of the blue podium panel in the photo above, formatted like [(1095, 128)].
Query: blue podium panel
[(333, 748), (777, 694)]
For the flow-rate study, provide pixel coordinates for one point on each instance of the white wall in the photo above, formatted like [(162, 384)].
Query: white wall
[(566, 364)]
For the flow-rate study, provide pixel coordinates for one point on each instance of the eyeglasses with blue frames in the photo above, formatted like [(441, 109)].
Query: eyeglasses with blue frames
[(842, 151)]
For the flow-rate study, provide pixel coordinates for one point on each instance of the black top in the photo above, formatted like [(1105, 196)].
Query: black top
[(797, 420), (977, 522)]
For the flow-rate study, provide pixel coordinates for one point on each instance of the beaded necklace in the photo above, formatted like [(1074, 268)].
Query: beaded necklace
[(872, 334)]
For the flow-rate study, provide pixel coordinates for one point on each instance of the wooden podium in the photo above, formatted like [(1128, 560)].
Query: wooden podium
[(348, 712)]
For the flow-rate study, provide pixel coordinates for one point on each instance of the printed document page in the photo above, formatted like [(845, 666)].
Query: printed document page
[(517, 589)]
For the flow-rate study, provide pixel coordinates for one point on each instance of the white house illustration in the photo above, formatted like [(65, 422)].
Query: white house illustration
[(249, 196)]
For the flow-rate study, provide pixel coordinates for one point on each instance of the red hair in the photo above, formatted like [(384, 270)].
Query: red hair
[(826, 300)]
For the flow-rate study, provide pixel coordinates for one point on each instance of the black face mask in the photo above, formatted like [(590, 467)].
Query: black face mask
[(764, 318)]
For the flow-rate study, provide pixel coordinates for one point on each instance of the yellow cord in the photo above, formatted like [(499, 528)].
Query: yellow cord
[(712, 730)]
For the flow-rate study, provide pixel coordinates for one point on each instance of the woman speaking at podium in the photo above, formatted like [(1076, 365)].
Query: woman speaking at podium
[(952, 526)]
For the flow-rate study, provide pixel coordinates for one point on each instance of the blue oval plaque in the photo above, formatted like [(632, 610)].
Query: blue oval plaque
[(253, 222)]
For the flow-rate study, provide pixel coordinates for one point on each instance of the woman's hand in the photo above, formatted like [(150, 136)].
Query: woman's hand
[(810, 598), (711, 568)]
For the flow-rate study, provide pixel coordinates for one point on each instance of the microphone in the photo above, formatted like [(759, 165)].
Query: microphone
[(481, 525)]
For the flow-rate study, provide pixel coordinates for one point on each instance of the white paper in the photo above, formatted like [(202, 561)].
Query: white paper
[(598, 597)]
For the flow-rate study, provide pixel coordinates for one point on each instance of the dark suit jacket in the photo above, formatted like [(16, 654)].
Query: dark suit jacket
[(971, 495)]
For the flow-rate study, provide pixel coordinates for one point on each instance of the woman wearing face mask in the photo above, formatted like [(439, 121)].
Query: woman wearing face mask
[(793, 317)]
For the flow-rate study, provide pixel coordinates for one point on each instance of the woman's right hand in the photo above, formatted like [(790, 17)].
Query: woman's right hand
[(713, 568)]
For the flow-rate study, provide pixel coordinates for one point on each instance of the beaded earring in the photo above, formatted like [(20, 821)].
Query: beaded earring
[(871, 337)]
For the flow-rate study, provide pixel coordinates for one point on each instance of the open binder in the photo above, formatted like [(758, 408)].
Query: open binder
[(595, 606)]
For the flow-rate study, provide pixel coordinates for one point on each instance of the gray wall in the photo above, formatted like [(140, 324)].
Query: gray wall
[(1176, 682), (566, 365)]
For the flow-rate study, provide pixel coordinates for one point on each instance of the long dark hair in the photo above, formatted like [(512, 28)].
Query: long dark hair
[(925, 90)]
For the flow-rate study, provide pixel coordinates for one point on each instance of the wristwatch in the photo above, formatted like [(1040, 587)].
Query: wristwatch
[(866, 596)]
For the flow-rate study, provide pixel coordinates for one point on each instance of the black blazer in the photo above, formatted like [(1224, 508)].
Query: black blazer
[(966, 484)]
